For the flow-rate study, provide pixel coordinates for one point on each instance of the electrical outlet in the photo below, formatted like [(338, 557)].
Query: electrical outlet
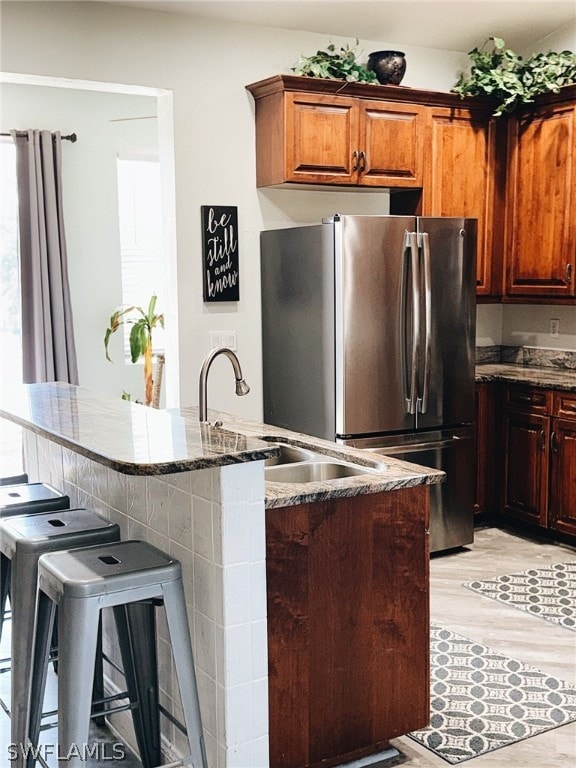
[(554, 328)]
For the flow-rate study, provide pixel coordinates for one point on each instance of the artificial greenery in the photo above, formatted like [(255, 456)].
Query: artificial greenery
[(140, 339), (504, 75), (335, 64)]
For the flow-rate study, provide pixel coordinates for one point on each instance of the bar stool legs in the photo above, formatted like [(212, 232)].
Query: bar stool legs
[(184, 664), (136, 626)]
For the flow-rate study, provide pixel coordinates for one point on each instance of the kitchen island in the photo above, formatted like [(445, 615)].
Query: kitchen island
[(198, 492)]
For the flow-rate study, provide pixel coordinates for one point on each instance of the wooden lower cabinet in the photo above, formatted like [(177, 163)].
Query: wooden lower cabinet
[(539, 443), (348, 625), (525, 482), (563, 474)]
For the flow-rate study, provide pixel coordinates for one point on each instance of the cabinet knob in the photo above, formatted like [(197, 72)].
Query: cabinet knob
[(568, 273), (355, 160)]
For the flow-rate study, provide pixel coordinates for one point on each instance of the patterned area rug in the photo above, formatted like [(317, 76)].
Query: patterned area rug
[(549, 593), (481, 701)]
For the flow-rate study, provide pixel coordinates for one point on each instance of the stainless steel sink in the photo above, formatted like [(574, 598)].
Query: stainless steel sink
[(296, 464), (289, 454), (314, 472)]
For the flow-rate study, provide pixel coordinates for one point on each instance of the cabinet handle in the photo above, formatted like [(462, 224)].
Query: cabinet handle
[(568, 273), (355, 160), (553, 443), (542, 440), (363, 162)]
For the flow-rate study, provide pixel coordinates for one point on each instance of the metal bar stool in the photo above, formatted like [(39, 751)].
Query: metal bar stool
[(24, 499), (23, 540), (14, 479), (130, 577)]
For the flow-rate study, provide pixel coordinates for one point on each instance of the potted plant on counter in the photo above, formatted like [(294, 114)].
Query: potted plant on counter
[(143, 323)]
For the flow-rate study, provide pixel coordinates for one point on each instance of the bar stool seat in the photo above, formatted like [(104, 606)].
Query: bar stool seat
[(23, 539), (128, 576), (24, 499), (14, 479), (28, 498)]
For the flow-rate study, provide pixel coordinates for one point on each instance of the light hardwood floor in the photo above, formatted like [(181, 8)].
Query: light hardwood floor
[(514, 633)]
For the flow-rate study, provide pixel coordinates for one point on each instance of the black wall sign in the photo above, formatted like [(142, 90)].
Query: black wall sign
[(220, 252)]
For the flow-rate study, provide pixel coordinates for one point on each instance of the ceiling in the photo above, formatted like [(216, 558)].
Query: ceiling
[(456, 25)]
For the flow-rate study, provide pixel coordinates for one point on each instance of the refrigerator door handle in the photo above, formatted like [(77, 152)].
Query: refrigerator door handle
[(427, 322), (412, 374)]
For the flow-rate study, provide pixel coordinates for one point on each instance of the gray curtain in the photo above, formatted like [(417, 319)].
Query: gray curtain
[(48, 347)]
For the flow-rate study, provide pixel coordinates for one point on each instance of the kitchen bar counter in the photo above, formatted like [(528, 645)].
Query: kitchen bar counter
[(199, 493), (135, 440), (128, 437), (533, 376)]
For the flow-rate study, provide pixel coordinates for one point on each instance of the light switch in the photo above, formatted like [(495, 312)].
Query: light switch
[(220, 339)]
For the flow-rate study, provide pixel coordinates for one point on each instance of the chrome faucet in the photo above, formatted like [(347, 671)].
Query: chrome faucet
[(241, 387)]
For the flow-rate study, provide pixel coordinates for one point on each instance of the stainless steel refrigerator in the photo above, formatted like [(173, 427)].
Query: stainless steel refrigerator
[(368, 335)]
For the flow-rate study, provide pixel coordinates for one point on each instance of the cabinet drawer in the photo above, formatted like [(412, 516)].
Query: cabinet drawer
[(530, 399), (565, 405)]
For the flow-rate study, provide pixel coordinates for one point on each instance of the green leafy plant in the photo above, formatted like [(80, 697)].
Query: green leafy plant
[(505, 76), (142, 324), (334, 64)]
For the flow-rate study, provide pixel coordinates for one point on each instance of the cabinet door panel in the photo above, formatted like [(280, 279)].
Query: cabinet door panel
[(392, 139), (347, 586), (321, 135), (461, 181), (525, 487), (563, 487), (541, 206), (486, 492)]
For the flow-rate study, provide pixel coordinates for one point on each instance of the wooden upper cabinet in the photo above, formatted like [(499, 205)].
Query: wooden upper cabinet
[(331, 139), (461, 180), (541, 206)]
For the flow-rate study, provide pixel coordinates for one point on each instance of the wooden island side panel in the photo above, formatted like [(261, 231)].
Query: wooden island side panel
[(348, 625)]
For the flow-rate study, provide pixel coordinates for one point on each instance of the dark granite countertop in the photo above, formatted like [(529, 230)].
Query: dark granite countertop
[(128, 437), (137, 440), (534, 376), (392, 474)]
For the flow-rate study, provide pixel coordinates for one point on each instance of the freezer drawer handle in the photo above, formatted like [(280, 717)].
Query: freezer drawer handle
[(413, 447)]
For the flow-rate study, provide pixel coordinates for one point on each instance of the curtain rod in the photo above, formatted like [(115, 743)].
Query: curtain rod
[(71, 136)]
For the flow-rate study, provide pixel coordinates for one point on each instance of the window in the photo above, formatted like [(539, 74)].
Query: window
[(140, 213), (10, 322)]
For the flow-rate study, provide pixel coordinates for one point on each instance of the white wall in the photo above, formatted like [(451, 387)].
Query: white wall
[(564, 39), (525, 325), (106, 123), (207, 65)]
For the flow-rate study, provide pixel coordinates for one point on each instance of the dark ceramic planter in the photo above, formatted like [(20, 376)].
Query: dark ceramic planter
[(388, 66)]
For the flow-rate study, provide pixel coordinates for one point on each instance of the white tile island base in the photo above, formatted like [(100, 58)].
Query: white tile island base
[(212, 520)]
